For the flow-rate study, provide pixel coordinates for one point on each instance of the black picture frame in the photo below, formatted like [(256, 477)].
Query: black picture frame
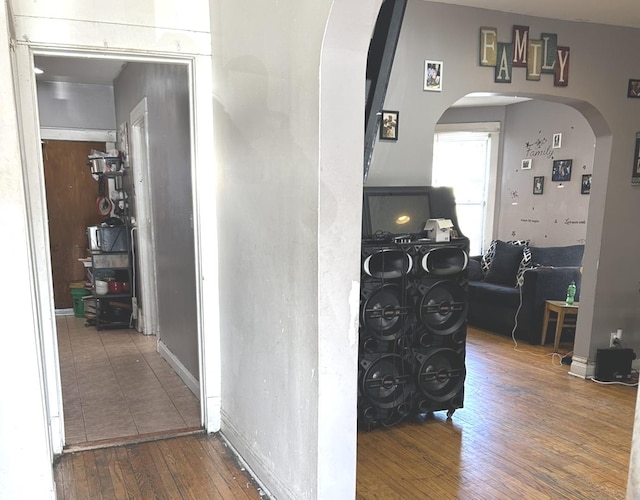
[(585, 187), (389, 125), (633, 89), (561, 171), (538, 184), (635, 173)]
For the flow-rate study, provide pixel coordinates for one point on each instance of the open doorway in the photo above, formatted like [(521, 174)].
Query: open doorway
[(117, 383)]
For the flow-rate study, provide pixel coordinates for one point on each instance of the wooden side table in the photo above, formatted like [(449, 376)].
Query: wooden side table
[(565, 316)]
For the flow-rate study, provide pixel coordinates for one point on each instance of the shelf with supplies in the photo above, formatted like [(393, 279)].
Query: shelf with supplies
[(111, 273)]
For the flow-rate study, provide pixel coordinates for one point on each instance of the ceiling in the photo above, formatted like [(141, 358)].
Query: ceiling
[(615, 12), (78, 69), (103, 71)]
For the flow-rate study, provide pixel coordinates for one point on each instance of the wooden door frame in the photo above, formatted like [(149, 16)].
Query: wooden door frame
[(144, 241), (205, 234)]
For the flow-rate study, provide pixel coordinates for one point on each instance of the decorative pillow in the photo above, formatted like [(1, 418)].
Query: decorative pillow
[(525, 264), (485, 262), (474, 272), (504, 264)]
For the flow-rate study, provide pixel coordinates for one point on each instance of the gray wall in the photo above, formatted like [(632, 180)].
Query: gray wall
[(609, 297), (166, 88), (76, 106), (558, 216)]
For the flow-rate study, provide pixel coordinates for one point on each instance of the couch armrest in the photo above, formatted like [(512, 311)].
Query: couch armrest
[(541, 284)]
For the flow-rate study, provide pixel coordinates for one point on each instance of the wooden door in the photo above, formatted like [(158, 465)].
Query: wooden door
[(71, 205)]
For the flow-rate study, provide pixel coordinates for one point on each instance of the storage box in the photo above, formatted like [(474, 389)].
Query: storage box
[(439, 229), (108, 260)]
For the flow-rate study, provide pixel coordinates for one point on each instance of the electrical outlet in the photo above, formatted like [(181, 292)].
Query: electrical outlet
[(615, 339)]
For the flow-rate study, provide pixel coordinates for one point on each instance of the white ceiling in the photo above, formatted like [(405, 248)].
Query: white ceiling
[(78, 69)]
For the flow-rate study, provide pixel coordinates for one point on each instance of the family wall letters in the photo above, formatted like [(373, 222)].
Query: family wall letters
[(539, 56)]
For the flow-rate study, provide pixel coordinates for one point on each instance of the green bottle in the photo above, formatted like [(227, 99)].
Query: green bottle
[(571, 293)]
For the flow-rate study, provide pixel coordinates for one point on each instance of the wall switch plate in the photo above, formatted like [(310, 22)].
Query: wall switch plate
[(615, 339)]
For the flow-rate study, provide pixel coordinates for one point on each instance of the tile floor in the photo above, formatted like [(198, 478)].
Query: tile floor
[(116, 385)]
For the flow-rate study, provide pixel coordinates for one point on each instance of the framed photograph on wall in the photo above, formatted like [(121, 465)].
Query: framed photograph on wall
[(586, 184), (538, 184), (433, 75), (557, 141), (389, 125), (526, 164), (633, 90), (635, 175), (561, 171)]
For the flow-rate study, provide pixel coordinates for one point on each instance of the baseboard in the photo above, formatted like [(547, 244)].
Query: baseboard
[(582, 367), (64, 312), (242, 448), (190, 381)]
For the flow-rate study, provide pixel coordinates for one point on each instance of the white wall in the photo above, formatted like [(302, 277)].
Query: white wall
[(25, 456), (451, 34), (290, 176)]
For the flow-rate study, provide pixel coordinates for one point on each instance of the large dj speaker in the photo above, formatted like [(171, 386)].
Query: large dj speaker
[(413, 309)]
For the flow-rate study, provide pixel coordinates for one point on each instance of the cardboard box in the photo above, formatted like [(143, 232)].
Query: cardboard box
[(439, 229)]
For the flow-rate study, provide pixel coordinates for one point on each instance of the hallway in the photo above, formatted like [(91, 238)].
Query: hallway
[(115, 385)]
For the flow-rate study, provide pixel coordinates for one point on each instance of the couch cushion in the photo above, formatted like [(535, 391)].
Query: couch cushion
[(474, 270), (557, 256), (504, 265), (483, 292)]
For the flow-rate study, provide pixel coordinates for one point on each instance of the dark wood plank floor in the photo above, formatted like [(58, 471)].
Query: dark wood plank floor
[(528, 430), (190, 467)]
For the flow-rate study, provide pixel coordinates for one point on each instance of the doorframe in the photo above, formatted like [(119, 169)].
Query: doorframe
[(205, 234), (147, 309)]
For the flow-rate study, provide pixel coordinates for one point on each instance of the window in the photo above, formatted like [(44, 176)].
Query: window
[(465, 158)]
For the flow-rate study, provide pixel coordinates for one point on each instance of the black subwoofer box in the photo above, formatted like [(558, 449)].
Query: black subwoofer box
[(614, 364)]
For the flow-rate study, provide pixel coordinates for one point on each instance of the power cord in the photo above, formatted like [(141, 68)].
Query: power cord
[(515, 342), (635, 384)]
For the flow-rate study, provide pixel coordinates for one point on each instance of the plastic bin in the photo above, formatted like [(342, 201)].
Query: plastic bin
[(78, 303)]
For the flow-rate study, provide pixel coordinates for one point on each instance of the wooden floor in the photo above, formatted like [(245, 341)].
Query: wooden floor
[(192, 467), (528, 430)]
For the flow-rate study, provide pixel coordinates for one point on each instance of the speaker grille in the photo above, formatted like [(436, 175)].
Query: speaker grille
[(385, 382), (440, 373), (383, 312), (444, 261), (388, 264), (413, 309), (443, 307)]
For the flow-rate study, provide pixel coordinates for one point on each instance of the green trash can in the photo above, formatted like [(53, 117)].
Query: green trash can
[(78, 303)]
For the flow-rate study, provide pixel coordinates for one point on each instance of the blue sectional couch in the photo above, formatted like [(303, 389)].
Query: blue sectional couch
[(510, 291)]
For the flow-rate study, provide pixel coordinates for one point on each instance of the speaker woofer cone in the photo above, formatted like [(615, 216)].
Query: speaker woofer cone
[(443, 308), (440, 373), (385, 382), (383, 313)]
